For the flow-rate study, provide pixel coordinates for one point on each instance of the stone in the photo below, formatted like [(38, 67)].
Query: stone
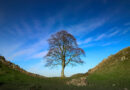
[(78, 82), (113, 85), (125, 88), (123, 58)]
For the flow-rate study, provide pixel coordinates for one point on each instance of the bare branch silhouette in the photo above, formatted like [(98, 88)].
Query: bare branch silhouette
[(63, 50)]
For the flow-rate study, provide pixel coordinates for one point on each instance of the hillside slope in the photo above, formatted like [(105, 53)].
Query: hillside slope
[(5, 65), (113, 71), (12, 77), (122, 57)]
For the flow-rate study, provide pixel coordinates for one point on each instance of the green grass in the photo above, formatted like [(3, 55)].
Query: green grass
[(116, 76), (14, 80), (112, 74)]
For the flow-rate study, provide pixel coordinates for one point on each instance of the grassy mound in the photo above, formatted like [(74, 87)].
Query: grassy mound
[(13, 77), (16, 79), (113, 72)]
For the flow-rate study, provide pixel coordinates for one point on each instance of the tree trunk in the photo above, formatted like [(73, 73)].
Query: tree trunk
[(63, 67)]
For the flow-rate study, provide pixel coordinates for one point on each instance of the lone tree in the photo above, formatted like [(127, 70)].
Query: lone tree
[(63, 50)]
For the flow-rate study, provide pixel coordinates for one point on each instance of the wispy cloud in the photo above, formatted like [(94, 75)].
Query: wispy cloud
[(107, 35), (85, 41), (88, 45), (127, 24), (40, 54), (28, 33), (92, 40), (33, 49), (87, 26), (40, 31), (100, 37), (8, 49), (125, 30), (36, 68), (113, 33), (110, 43), (39, 68), (106, 44), (88, 40)]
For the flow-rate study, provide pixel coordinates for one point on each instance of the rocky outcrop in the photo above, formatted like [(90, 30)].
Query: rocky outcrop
[(123, 58), (78, 82)]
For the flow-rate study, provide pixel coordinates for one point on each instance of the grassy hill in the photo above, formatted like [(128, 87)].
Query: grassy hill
[(12, 77), (112, 73), (5, 67)]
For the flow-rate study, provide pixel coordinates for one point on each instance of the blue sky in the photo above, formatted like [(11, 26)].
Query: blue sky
[(101, 27)]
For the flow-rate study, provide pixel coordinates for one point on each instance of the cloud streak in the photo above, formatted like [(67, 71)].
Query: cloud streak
[(33, 49), (40, 54), (90, 39), (100, 37), (107, 35), (87, 26)]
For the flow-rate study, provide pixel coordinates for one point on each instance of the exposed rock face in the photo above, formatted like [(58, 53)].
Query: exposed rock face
[(78, 82), (123, 58)]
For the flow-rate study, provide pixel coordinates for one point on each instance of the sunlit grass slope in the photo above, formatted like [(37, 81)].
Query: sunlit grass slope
[(14, 79), (112, 72)]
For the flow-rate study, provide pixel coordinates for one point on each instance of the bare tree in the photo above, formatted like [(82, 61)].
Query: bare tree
[(63, 50)]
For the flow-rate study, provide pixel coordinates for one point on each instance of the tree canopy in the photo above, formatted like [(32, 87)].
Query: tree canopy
[(63, 50)]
